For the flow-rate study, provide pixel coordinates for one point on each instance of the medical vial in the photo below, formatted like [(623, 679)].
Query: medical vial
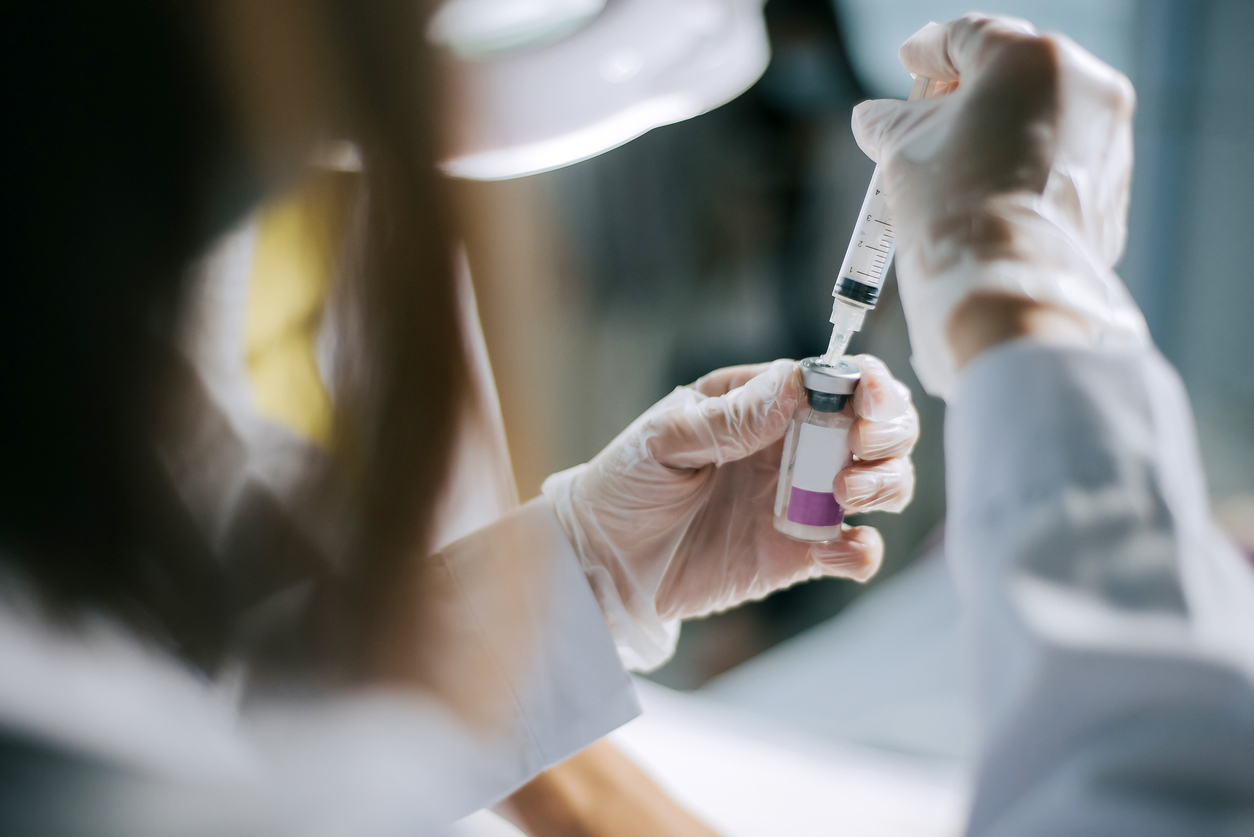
[(816, 449)]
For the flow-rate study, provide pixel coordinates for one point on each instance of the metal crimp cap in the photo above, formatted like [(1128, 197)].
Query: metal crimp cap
[(840, 379)]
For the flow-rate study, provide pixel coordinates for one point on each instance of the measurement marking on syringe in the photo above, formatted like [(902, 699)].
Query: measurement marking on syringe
[(860, 275)]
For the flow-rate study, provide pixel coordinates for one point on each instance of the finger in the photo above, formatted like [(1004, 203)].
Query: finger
[(947, 51), (874, 440), (732, 426), (879, 396), (877, 122), (857, 554), (721, 381), (887, 485)]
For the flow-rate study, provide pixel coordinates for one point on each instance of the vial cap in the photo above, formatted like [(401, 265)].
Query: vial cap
[(840, 379)]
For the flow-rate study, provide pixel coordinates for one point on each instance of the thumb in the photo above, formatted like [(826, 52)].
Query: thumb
[(878, 124), (732, 426)]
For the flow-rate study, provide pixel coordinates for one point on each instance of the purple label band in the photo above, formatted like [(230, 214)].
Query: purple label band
[(814, 508)]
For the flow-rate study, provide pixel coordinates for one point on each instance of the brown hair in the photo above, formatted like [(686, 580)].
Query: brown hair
[(134, 159)]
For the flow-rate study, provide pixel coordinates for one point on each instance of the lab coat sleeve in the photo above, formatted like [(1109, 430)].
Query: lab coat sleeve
[(532, 632), (103, 733), (1110, 623)]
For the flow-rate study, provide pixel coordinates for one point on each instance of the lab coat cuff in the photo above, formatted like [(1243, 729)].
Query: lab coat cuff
[(643, 638), (569, 688)]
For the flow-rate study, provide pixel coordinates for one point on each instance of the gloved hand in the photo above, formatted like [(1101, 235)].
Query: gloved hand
[(1015, 183), (675, 517)]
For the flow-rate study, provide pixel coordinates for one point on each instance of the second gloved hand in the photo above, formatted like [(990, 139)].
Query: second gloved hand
[(674, 518), (1014, 185)]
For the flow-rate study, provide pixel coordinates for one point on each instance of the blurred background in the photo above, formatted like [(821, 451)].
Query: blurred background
[(715, 242)]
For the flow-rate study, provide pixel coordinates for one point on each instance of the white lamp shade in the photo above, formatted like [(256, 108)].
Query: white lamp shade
[(479, 29), (638, 65)]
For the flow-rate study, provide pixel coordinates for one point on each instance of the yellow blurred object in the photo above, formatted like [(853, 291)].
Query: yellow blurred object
[(298, 243)]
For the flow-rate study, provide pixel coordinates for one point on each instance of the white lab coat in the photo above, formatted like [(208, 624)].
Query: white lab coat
[(1110, 622)]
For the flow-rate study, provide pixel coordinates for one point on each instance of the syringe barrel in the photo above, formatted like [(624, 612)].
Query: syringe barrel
[(870, 248), (873, 242), (870, 252)]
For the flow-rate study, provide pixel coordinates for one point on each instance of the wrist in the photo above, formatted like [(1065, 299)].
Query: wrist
[(644, 639), (599, 792), (989, 318)]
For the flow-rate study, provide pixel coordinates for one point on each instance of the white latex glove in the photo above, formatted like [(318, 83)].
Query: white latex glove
[(1016, 182), (674, 518)]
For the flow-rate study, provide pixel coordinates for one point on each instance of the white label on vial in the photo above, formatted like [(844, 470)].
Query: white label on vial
[(821, 453)]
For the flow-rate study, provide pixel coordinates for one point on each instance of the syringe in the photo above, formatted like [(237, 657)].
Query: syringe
[(867, 259)]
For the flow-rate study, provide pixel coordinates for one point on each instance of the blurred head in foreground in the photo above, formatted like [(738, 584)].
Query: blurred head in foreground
[(140, 130)]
